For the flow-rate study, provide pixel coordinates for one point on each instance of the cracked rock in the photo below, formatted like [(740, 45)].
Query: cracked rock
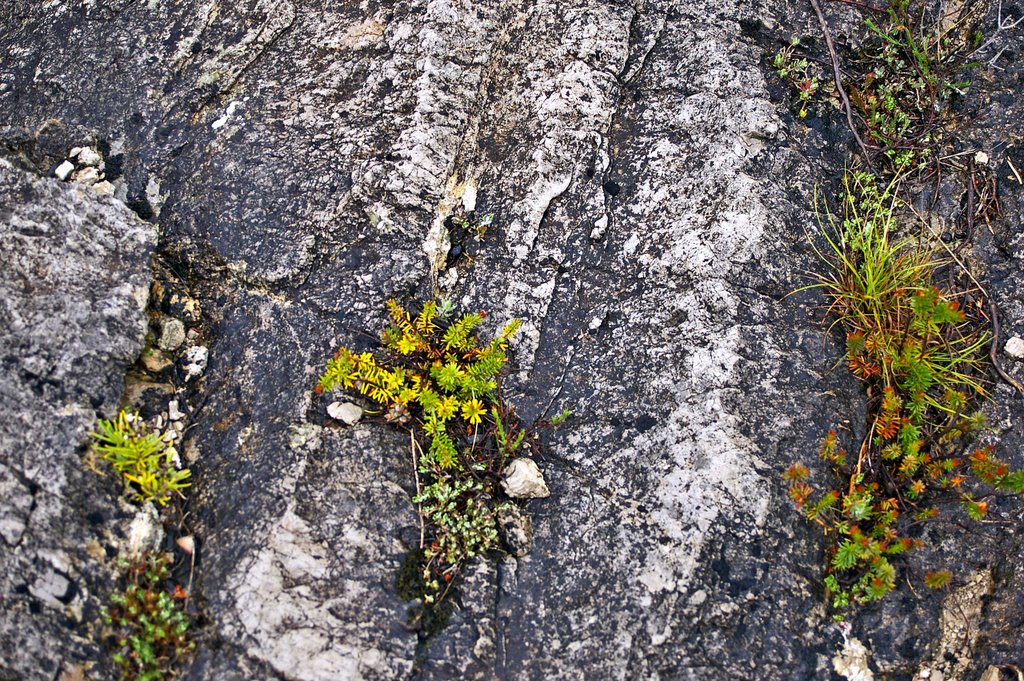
[(603, 137), (68, 338), (516, 529)]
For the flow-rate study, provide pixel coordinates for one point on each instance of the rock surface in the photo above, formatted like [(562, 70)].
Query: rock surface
[(650, 200), (73, 290)]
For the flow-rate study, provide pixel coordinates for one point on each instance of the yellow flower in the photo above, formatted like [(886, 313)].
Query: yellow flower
[(472, 410), (407, 345), (446, 409)]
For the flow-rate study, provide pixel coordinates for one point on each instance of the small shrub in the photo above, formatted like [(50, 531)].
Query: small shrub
[(150, 625), (439, 380), (147, 463)]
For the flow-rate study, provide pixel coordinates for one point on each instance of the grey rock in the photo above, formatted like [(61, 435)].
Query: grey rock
[(72, 292), (640, 172), (172, 334), (516, 529)]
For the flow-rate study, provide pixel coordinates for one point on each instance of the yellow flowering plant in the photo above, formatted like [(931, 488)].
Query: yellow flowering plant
[(437, 378)]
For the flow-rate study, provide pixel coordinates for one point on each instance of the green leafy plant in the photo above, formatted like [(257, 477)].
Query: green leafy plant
[(438, 379), (147, 463), (798, 72), (911, 68), (561, 417), (149, 624), (922, 360), (900, 327)]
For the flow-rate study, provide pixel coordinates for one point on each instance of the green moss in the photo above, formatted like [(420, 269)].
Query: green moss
[(147, 621)]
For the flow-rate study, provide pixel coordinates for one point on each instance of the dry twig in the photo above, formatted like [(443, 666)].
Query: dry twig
[(416, 472), (994, 311), (838, 76)]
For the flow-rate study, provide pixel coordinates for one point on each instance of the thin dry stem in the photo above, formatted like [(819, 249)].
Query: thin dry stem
[(416, 472), (837, 76)]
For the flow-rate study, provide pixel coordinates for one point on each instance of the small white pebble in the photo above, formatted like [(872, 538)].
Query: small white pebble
[(186, 544), (346, 412), (64, 169), (87, 175), (103, 188), (90, 157), (981, 158), (75, 151), (1015, 347)]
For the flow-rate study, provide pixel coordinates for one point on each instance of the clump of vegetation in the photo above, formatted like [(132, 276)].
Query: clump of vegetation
[(437, 378), (921, 357), (149, 623), (466, 229), (799, 73), (148, 463), (911, 68)]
